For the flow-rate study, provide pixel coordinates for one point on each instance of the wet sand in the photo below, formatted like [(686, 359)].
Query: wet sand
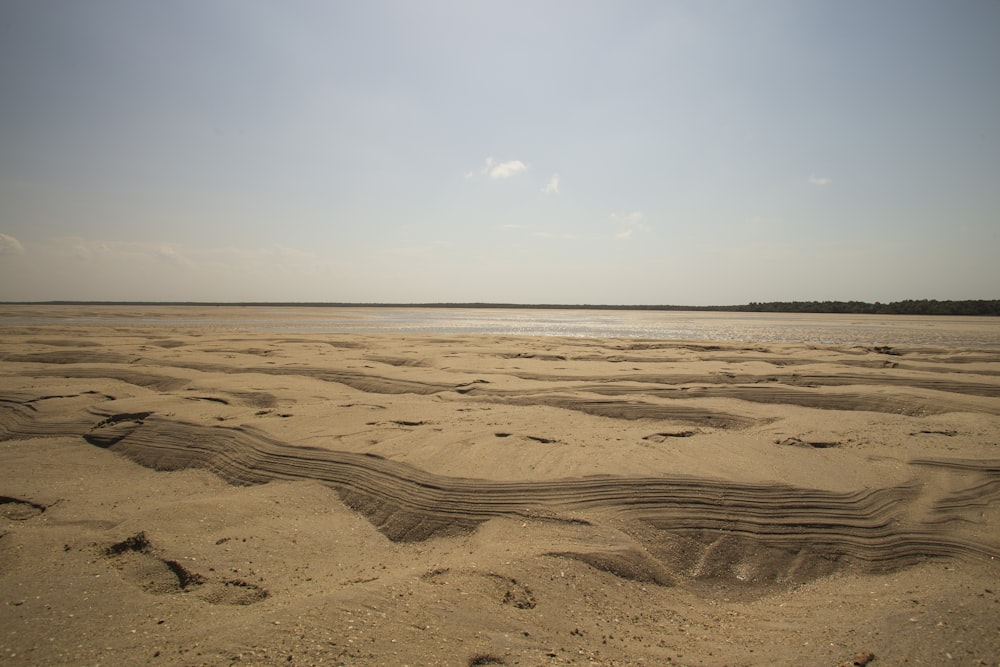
[(189, 494)]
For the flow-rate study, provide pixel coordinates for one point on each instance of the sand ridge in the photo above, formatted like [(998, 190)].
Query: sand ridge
[(391, 499)]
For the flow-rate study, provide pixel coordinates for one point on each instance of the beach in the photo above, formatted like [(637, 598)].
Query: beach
[(180, 492)]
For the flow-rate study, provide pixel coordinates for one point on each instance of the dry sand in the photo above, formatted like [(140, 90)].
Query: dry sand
[(186, 495)]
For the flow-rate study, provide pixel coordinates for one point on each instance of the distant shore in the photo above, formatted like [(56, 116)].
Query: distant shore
[(980, 307)]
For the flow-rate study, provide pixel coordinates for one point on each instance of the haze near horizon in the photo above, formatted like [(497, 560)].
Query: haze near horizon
[(561, 152)]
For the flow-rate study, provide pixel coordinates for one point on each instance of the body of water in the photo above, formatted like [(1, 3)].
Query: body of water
[(674, 325), (893, 330)]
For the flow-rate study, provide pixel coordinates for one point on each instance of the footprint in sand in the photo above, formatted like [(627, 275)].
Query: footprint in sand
[(17, 509), (139, 563), (506, 590)]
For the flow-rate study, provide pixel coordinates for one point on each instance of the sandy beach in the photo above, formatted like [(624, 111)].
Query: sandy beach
[(197, 495)]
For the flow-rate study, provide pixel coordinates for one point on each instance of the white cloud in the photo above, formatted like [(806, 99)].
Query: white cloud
[(552, 187), (504, 169), (496, 170), (630, 223), (10, 246), (816, 180)]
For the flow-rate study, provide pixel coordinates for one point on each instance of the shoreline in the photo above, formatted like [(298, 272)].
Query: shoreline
[(920, 307), (765, 328)]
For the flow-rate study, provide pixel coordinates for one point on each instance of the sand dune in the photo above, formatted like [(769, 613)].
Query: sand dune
[(408, 504), (384, 499)]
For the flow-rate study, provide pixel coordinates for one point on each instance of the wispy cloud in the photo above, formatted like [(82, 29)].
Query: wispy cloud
[(408, 251), (818, 180), (629, 224), (80, 268), (168, 253), (88, 250), (507, 169), (534, 232), (10, 246), (552, 187), (179, 255), (566, 236)]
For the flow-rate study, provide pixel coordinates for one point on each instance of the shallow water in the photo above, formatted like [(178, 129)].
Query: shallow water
[(893, 330)]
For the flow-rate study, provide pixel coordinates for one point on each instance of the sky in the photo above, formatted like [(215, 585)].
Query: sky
[(690, 153)]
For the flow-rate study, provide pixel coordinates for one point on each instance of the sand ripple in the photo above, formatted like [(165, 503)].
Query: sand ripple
[(408, 504)]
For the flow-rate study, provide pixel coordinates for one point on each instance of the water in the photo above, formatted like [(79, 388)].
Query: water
[(769, 327), (895, 330)]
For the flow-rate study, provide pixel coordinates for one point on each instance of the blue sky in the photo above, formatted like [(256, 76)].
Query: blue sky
[(536, 152)]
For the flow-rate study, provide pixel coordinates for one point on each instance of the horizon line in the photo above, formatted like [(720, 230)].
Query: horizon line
[(504, 305)]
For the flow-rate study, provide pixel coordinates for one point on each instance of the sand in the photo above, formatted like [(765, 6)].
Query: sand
[(187, 494)]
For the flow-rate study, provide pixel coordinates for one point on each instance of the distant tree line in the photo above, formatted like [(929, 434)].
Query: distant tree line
[(908, 307)]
